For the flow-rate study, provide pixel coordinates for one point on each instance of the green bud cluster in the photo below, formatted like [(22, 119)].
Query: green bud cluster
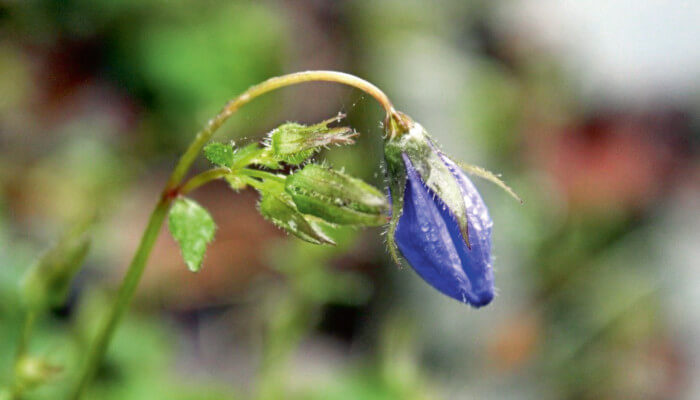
[(307, 203)]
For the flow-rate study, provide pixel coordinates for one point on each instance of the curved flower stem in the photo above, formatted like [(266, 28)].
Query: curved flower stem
[(173, 188), (269, 85)]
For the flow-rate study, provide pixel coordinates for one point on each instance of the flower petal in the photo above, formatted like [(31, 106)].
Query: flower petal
[(428, 236), (480, 222)]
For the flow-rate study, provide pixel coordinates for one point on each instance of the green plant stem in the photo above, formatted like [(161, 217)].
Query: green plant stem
[(254, 183), (27, 330), (203, 178), (262, 175), (126, 292), (216, 173), (172, 189), (269, 85)]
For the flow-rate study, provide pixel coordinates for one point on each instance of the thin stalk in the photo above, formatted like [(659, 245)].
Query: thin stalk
[(254, 183), (269, 85), (27, 329), (173, 188), (203, 178), (216, 173), (126, 292), (261, 174)]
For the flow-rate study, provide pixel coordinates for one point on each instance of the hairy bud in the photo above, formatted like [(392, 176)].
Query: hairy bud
[(336, 197)]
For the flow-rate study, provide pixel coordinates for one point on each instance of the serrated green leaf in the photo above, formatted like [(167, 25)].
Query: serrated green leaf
[(220, 154), (278, 207), (193, 229)]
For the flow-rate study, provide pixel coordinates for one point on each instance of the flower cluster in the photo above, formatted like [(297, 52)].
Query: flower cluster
[(437, 221), (307, 203)]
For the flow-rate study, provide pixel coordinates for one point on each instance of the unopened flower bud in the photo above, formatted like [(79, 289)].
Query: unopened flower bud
[(440, 224), (277, 206), (294, 143), (336, 197)]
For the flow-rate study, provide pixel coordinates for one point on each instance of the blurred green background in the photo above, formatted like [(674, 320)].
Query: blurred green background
[(590, 110)]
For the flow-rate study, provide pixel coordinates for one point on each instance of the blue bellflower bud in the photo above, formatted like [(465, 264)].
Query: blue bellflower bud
[(440, 224)]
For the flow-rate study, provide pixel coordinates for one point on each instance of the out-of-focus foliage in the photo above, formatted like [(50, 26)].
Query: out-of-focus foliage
[(48, 281), (597, 273)]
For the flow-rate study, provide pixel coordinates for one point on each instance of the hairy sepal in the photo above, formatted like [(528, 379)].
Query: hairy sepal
[(417, 145), (336, 197)]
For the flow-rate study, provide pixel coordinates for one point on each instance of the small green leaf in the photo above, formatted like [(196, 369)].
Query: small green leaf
[(193, 229), (336, 197), (278, 207), (219, 154)]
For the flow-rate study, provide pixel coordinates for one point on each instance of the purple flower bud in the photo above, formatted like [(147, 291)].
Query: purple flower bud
[(427, 230)]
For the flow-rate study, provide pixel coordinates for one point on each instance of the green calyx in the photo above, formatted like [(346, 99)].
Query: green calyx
[(295, 143), (422, 152), (336, 197), (278, 207)]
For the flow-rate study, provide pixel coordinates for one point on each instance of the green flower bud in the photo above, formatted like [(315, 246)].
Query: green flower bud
[(278, 207), (336, 197), (294, 143), (47, 282)]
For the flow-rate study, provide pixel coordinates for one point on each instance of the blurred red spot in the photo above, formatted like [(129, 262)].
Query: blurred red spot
[(609, 163)]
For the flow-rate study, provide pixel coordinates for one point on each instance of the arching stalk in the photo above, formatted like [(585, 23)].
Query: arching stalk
[(174, 187)]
